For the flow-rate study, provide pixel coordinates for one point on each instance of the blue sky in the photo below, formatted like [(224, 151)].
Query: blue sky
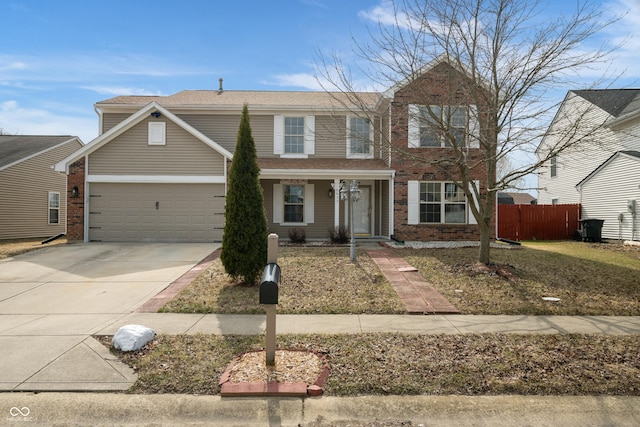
[(58, 58)]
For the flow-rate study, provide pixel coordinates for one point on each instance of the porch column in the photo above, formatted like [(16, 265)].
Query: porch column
[(336, 203)]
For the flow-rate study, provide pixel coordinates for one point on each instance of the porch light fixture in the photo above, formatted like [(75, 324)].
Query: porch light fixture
[(74, 191), (331, 193)]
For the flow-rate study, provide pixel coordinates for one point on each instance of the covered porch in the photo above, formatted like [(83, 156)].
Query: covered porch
[(301, 193)]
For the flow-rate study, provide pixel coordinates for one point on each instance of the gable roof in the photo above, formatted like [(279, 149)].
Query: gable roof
[(616, 102), (128, 123), (18, 148), (235, 99), (629, 153)]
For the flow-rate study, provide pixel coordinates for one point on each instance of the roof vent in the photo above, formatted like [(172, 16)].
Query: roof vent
[(220, 90)]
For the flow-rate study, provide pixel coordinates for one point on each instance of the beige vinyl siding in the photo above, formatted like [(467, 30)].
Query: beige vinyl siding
[(223, 129), (130, 154), (331, 136), (112, 119), (323, 211), (386, 207), (25, 191)]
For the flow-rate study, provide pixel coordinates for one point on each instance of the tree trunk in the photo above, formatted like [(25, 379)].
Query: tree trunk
[(485, 243)]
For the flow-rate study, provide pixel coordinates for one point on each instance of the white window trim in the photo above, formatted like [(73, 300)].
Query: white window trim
[(157, 133), (414, 126), (351, 155), (49, 208), (309, 137), (413, 206), (278, 205)]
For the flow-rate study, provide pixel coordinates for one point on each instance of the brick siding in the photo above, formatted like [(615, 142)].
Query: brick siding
[(75, 205)]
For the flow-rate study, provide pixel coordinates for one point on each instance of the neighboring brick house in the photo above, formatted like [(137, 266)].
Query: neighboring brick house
[(158, 170), (33, 200)]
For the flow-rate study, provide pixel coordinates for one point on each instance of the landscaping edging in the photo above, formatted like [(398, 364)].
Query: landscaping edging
[(273, 388)]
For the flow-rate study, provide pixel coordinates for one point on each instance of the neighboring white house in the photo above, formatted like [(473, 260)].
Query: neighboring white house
[(600, 171), (619, 208)]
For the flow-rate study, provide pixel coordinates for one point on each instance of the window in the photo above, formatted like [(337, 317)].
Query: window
[(554, 166), (294, 135), (358, 137), (427, 126), (54, 208), (442, 203), (293, 203), (428, 134), (554, 201)]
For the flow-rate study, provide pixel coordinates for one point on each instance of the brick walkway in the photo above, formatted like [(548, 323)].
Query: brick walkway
[(417, 295)]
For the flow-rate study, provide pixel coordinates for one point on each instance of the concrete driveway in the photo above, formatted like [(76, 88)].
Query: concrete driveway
[(53, 299)]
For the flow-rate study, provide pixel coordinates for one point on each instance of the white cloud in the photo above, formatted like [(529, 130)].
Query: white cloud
[(121, 90), (383, 13), (302, 80), (15, 119)]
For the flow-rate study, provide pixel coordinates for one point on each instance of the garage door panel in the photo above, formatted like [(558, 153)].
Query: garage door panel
[(156, 212)]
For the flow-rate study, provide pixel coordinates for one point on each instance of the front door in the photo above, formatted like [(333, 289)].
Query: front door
[(362, 212)]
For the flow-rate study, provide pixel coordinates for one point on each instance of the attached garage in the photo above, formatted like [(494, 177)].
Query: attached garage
[(120, 212)]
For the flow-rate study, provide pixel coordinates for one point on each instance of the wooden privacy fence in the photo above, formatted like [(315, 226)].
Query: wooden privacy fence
[(538, 222)]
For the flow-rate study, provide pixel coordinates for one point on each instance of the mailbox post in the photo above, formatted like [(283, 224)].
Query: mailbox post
[(269, 287)]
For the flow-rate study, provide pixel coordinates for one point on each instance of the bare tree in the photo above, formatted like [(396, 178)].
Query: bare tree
[(507, 59)]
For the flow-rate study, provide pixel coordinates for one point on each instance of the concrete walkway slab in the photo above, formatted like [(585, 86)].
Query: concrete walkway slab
[(23, 357), (82, 368), (83, 297), (57, 324)]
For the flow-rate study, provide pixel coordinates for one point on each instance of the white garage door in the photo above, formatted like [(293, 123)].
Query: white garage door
[(156, 212)]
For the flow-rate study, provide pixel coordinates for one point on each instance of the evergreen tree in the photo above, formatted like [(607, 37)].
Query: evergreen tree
[(244, 242)]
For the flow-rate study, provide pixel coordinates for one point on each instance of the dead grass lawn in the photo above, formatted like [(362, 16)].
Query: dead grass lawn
[(396, 364)]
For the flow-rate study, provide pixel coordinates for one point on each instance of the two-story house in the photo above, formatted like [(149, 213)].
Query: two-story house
[(602, 171), (158, 169)]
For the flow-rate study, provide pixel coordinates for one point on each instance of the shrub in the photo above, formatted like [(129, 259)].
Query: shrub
[(339, 234), (297, 235)]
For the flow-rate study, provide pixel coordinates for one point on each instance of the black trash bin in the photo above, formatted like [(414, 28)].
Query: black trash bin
[(592, 230)]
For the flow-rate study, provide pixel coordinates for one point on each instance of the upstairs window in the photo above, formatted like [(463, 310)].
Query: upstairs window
[(54, 208), (294, 136), (554, 166), (428, 127), (359, 138)]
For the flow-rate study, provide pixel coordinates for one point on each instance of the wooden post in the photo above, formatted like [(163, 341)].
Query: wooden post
[(270, 346)]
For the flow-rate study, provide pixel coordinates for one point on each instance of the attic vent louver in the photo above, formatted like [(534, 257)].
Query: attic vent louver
[(220, 90)]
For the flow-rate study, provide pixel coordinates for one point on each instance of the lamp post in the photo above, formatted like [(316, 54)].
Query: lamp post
[(351, 193)]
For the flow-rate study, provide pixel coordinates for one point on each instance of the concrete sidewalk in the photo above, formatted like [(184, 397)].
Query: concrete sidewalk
[(63, 356)]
